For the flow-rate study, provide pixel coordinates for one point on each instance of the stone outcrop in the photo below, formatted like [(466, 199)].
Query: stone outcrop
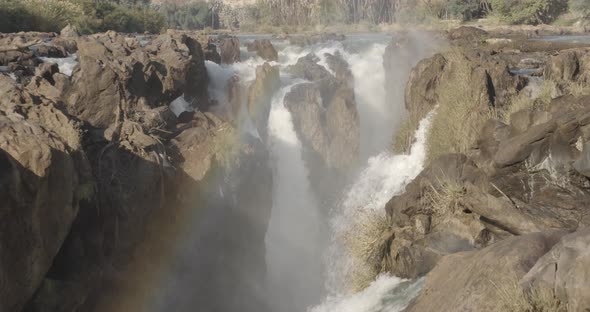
[(483, 280), (230, 50), (264, 49), (267, 82), (45, 177), (564, 270), (490, 80), (101, 177), (324, 112), (116, 81)]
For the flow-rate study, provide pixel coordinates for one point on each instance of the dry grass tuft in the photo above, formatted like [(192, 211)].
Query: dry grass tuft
[(460, 115), (366, 241), (445, 196), (517, 299), (578, 88)]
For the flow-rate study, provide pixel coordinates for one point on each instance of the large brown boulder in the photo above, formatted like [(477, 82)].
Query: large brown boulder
[(264, 49), (230, 50), (565, 270), (482, 280), (116, 80), (44, 178), (569, 66)]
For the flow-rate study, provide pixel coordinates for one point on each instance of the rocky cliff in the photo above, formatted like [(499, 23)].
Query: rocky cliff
[(487, 221), (101, 179)]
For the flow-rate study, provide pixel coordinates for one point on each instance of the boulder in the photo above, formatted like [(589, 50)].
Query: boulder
[(69, 32), (230, 50), (264, 49), (568, 65), (468, 34), (44, 178), (116, 81), (481, 280), (327, 123), (565, 270), (307, 67)]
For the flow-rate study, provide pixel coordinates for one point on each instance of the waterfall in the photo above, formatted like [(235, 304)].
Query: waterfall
[(385, 176), (293, 254)]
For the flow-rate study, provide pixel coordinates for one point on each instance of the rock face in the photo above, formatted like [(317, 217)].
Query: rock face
[(119, 80), (569, 65), (44, 178), (267, 82), (100, 177), (324, 112), (565, 270), (230, 50), (264, 49), (478, 276), (490, 79)]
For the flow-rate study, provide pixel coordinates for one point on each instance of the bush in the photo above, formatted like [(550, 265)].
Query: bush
[(88, 16), (529, 11), (581, 7), (366, 243)]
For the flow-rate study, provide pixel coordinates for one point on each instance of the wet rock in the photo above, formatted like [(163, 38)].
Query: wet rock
[(267, 82), (230, 50), (327, 123), (49, 50), (480, 279), (264, 49), (307, 68)]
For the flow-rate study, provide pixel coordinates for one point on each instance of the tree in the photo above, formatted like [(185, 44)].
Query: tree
[(529, 11)]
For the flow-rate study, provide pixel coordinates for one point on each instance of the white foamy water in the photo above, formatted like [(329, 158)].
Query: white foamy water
[(386, 293), (385, 176), (293, 254), (66, 64)]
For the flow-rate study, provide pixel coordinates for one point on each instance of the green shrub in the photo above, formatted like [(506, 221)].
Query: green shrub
[(529, 11), (88, 15), (581, 7)]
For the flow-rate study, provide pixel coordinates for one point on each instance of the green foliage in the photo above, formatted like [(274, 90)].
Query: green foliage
[(465, 9), (581, 7), (529, 11), (88, 15), (195, 15)]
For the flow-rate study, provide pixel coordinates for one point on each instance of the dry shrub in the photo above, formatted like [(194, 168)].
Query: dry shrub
[(366, 242), (578, 88), (515, 298), (445, 196), (460, 115), (522, 101)]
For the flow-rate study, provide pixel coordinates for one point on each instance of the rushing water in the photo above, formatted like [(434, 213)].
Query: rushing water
[(66, 64), (304, 272)]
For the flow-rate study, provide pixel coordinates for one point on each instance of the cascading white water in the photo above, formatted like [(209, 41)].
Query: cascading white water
[(293, 254), (295, 259), (385, 177), (66, 64)]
